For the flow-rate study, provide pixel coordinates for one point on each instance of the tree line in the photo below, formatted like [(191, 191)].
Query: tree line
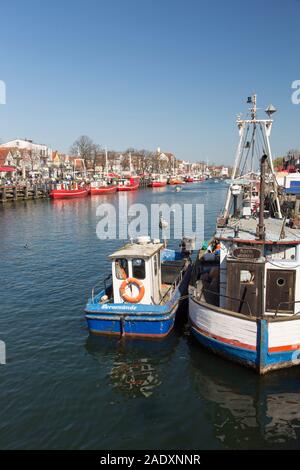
[(142, 160)]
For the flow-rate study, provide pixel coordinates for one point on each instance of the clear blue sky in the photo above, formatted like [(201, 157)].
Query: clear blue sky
[(148, 73)]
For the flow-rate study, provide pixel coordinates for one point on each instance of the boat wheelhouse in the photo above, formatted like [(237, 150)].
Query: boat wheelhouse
[(245, 288), (142, 295)]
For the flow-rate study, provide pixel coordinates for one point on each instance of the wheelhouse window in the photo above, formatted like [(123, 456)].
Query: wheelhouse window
[(138, 268), (121, 268)]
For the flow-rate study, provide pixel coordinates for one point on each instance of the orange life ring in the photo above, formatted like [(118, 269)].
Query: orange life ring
[(138, 284)]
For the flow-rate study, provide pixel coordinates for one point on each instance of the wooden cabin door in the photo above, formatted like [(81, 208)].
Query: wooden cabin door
[(245, 287), (280, 293)]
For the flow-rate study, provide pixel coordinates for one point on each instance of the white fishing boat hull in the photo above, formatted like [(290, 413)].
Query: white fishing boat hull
[(262, 344)]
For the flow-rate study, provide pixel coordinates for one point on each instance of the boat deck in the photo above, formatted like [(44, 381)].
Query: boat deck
[(247, 230)]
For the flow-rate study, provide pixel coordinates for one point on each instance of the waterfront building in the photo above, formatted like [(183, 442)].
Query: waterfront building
[(7, 162), (42, 150)]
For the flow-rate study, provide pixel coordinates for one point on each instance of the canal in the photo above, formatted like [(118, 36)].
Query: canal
[(61, 389)]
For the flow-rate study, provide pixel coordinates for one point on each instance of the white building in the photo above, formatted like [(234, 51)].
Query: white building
[(40, 150), (225, 171)]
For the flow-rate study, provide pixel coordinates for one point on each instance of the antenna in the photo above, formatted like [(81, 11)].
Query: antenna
[(253, 110)]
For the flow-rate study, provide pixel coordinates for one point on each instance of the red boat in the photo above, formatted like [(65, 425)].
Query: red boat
[(199, 179), (176, 181), (157, 184), (94, 190), (158, 181), (130, 184), (63, 192), (189, 179)]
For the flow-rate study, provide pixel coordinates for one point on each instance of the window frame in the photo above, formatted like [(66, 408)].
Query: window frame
[(137, 276)]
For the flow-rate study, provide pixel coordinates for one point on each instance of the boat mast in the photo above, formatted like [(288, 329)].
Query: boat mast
[(106, 162), (241, 127), (130, 163), (265, 126), (261, 222)]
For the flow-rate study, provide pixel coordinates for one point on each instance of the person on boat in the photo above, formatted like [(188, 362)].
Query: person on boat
[(214, 247), (209, 248), (121, 269), (217, 248), (211, 283)]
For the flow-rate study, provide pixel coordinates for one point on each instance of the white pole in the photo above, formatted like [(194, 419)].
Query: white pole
[(106, 162), (266, 132), (236, 166)]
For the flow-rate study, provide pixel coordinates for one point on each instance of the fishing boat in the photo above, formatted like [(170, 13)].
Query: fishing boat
[(175, 181), (72, 189), (128, 184), (199, 179), (244, 290), (189, 179), (142, 294), (68, 191), (101, 187), (158, 182)]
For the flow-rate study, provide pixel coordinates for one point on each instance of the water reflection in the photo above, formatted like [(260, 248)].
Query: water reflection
[(245, 407), (135, 367), (136, 377)]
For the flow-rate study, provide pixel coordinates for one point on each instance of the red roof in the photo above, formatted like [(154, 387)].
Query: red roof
[(4, 151), (7, 169)]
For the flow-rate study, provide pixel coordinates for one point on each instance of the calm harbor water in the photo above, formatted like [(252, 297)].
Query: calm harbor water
[(62, 388)]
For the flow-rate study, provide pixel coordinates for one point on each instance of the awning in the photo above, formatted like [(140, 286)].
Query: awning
[(7, 169)]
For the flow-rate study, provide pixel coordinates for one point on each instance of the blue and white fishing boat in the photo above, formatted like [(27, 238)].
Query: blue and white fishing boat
[(245, 288), (143, 293)]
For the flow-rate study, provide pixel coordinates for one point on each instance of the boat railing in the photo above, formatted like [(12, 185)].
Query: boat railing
[(293, 302), (101, 284), (243, 301), (172, 287)]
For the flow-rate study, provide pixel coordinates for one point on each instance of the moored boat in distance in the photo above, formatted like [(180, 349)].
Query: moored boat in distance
[(104, 185), (142, 294), (158, 182), (68, 191), (189, 179), (244, 294), (175, 181), (199, 178), (101, 187), (128, 184)]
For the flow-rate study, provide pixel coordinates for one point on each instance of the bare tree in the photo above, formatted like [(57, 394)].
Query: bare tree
[(294, 152), (292, 158), (84, 147), (124, 162)]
